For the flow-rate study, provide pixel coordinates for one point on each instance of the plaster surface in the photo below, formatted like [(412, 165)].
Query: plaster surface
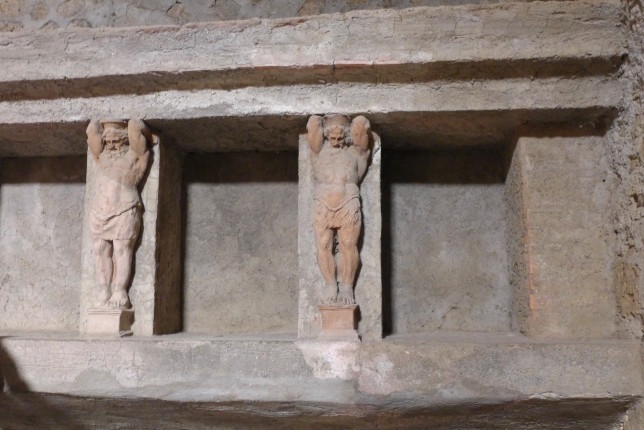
[(41, 212), (444, 241), (240, 243)]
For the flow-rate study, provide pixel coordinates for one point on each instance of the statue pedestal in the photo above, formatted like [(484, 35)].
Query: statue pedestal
[(110, 321), (339, 322)]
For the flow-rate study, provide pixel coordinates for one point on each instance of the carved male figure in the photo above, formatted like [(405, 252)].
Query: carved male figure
[(340, 155), (120, 150)]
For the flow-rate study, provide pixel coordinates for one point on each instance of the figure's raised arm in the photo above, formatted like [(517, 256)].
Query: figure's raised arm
[(94, 138), (361, 134), (138, 134), (316, 133)]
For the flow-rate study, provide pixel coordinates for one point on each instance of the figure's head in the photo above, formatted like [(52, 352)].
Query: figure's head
[(114, 135), (336, 130)]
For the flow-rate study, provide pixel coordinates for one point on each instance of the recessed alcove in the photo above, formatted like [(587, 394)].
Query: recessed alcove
[(444, 247), (240, 240), (41, 221)]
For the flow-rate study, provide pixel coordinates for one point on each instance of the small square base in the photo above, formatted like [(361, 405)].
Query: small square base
[(339, 322), (110, 321)]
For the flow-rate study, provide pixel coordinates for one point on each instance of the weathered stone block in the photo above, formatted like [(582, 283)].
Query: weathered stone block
[(339, 322), (115, 322)]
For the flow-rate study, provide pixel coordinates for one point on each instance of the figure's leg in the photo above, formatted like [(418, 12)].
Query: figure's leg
[(324, 240), (348, 237), (103, 264), (123, 251)]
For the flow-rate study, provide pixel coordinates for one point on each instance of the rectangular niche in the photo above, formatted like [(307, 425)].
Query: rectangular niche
[(41, 220), (444, 248), (240, 268)]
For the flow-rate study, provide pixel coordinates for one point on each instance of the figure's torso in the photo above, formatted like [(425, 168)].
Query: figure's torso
[(337, 175), (116, 189)]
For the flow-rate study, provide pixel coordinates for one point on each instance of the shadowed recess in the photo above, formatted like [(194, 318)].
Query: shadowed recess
[(398, 130)]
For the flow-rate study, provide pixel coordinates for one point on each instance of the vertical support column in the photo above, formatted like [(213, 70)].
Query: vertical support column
[(155, 292), (558, 238), (368, 288)]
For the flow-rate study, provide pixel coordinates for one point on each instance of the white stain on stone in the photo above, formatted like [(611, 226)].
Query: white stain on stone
[(331, 360), (376, 376)]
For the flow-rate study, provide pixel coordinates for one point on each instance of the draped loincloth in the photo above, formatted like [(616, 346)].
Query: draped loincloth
[(116, 211), (345, 214), (123, 226)]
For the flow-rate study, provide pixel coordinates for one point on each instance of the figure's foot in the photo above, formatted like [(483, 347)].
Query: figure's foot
[(119, 300), (329, 294), (345, 295), (103, 296)]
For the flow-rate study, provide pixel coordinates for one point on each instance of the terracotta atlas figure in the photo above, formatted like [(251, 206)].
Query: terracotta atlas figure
[(340, 156), (120, 150)]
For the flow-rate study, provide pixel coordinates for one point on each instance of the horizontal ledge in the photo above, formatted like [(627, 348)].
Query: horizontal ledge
[(176, 367), (414, 115), (516, 39), (345, 98)]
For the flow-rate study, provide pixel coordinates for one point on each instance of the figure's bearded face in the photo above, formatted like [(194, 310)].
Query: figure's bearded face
[(336, 137), (115, 143)]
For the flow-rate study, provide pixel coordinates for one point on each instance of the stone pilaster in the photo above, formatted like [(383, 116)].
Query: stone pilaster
[(155, 292), (558, 238)]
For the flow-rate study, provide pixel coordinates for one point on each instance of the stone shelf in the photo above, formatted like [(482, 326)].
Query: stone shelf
[(408, 371)]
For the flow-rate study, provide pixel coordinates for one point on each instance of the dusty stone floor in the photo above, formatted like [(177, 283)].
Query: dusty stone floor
[(27, 411)]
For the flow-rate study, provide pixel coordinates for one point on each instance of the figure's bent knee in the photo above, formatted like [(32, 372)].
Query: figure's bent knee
[(102, 247), (324, 238), (347, 249), (348, 241), (326, 246)]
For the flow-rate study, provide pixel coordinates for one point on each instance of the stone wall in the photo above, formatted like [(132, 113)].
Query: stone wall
[(551, 251), (41, 212), (444, 228), (28, 15), (560, 269), (626, 155), (240, 270)]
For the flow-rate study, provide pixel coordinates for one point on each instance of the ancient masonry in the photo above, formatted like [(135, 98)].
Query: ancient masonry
[(403, 217)]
